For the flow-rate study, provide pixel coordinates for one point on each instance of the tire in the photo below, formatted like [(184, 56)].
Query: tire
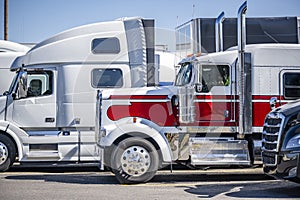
[(7, 153), (134, 160)]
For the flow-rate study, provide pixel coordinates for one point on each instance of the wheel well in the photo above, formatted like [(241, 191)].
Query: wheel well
[(109, 150), (12, 139)]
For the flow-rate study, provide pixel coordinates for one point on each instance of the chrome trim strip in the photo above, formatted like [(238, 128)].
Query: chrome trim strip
[(209, 129), (214, 100)]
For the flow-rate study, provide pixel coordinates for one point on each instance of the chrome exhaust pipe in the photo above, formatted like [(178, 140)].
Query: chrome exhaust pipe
[(241, 67), (242, 27), (219, 31)]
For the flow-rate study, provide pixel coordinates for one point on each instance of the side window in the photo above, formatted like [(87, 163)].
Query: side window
[(106, 45), (107, 78), (291, 85), (214, 75), (39, 83)]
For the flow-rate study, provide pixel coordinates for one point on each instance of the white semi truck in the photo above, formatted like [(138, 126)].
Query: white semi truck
[(48, 114), (9, 51)]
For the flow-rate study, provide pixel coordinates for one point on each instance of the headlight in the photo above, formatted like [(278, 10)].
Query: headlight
[(294, 142), (99, 135), (103, 132), (175, 101)]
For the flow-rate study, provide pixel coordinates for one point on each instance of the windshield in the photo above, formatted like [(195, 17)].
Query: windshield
[(184, 75), (13, 83)]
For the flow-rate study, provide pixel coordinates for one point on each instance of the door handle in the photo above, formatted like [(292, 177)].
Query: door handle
[(226, 113), (49, 119)]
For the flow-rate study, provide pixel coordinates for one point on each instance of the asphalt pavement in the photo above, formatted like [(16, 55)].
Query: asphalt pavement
[(90, 183)]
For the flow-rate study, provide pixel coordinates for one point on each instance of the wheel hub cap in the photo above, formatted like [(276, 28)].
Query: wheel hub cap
[(3, 153), (135, 161)]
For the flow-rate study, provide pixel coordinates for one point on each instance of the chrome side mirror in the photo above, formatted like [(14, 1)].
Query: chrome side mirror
[(198, 87), (22, 91), (273, 102)]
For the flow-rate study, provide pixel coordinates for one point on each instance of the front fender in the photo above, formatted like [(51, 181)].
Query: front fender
[(141, 127), (16, 133)]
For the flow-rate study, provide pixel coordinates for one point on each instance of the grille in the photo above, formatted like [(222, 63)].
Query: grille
[(270, 138), (273, 121), (271, 130), (269, 158), (270, 147)]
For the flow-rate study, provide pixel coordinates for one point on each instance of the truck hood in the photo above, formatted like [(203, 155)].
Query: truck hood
[(289, 108)]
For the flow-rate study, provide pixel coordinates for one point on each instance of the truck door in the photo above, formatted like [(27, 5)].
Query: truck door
[(214, 102), (35, 112), (37, 109)]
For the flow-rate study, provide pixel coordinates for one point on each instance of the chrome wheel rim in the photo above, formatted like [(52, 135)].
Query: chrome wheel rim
[(135, 161), (3, 153)]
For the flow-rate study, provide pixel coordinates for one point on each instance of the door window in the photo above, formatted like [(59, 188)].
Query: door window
[(214, 75), (39, 83)]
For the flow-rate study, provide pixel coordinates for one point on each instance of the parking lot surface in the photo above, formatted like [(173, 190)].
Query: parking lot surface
[(90, 183)]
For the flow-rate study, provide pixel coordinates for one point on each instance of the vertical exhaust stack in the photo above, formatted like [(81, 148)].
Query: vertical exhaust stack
[(196, 36), (219, 31), (244, 74), (242, 28)]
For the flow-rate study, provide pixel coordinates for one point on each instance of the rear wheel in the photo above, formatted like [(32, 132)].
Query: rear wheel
[(7, 152), (134, 160)]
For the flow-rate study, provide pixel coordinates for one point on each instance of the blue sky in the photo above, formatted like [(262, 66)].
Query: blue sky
[(31, 21)]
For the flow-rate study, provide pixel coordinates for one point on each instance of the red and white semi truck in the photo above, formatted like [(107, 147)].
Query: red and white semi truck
[(212, 116)]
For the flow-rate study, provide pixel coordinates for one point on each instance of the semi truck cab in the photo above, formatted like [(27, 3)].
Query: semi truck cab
[(281, 142), (48, 115)]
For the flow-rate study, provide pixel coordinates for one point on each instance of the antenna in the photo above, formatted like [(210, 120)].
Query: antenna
[(193, 11), (5, 19)]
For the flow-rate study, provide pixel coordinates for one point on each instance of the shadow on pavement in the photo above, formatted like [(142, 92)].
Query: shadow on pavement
[(91, 178), (254, 190), (203, 177), (92, 175)]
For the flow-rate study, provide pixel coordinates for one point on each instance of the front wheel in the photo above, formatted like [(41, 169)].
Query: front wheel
[(134, 160), (7, 152)]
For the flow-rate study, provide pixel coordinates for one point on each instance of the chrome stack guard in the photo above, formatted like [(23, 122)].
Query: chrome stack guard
[(98, 129), (186, 104), (216, 151)]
